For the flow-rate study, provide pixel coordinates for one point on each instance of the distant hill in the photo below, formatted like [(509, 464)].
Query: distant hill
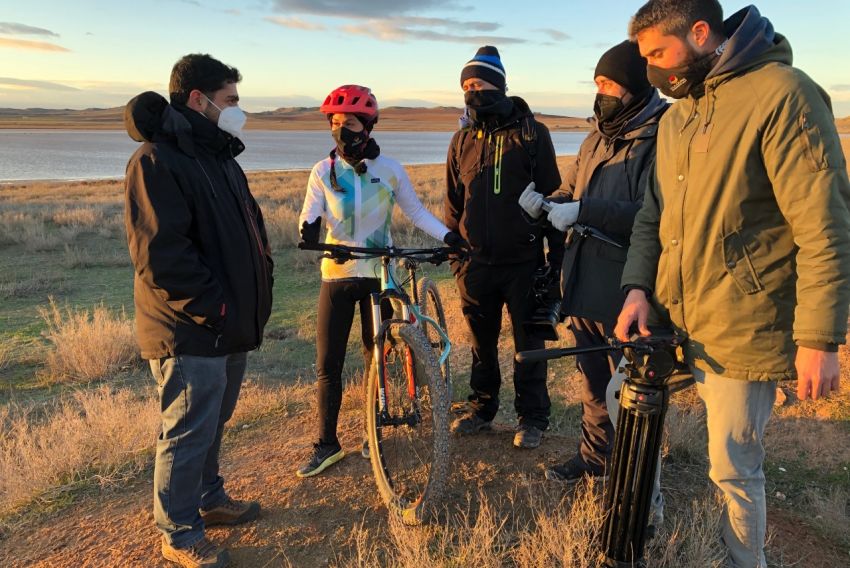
[(843, 124), (289, 118)]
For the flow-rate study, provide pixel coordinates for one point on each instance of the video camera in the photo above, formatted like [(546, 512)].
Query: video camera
[(546, 287)]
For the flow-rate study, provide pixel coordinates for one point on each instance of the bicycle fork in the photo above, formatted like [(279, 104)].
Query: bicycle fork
[(380, 354)]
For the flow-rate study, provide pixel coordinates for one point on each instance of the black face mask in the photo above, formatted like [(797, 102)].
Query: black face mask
[(484, 105), (350, 144), (679, 82), (607, 107)]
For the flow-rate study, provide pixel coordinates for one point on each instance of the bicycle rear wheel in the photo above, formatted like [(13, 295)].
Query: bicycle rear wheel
[(409, 443), (431, 305)]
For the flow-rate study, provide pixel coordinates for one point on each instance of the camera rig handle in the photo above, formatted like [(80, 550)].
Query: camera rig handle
[(656, 359)]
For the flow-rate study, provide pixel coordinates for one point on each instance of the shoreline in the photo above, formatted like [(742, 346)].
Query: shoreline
[(5, 184)]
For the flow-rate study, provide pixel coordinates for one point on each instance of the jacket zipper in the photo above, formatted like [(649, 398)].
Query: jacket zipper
[(497, 167)]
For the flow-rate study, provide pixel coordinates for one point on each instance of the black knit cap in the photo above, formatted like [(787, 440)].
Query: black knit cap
[(624, 65), (486, 65)]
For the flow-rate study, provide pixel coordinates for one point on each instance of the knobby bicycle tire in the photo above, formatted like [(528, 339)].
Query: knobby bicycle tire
[(431, 305), (416, 493)]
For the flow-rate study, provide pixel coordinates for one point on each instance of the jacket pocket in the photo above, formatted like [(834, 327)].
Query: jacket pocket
[(737, 262), (814, 150)]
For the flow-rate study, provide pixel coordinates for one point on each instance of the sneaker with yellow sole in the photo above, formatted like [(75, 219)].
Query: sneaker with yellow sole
[(323, 456)]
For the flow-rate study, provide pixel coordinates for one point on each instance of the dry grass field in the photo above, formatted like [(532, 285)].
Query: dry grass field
[(78, 420)]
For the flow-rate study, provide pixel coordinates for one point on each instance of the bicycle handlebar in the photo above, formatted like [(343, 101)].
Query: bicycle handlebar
[(436, 255)]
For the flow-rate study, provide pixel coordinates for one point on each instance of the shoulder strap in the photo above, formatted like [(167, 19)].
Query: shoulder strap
[(459, 145), (528, 136)]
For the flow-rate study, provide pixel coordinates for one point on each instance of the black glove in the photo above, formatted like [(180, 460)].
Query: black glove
[(310, 231), (455, 241)]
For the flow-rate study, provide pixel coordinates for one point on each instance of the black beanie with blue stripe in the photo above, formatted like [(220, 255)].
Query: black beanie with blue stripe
[(486, 65)]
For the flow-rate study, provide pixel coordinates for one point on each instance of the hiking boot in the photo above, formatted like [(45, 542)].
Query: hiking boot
[(202, 554), (364, 450), (573, 471), (231, 512), (324, 456), (528, 436), (470, 423)]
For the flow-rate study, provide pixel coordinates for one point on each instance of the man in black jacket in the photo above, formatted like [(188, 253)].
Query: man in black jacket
[(603, 190), (500, 150), (203, 290)]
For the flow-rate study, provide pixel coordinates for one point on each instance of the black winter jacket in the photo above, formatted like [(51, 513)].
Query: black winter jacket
[(203, 267), (608, 176), (486, 172)]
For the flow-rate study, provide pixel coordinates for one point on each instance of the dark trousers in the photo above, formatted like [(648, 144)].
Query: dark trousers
[(595, 370), (484, 291), (337, 301)]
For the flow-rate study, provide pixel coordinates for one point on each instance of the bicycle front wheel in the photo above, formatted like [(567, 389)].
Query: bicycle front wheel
[(409, 440), (431, 305)]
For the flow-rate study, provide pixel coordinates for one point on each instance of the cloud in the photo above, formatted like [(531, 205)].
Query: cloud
[(295, 23), (41, 85), (399, 30), (446, 23), (11, 28), (361, 9), (840, 88), (23, 44), (556, 35), (392, 20)]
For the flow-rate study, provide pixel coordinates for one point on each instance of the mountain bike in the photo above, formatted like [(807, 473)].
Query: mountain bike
[(407, 391)]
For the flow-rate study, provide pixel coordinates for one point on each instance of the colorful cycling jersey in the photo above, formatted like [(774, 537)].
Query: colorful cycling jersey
[(360, 215)]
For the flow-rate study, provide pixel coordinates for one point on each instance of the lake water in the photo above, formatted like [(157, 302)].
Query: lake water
[(76, 154)]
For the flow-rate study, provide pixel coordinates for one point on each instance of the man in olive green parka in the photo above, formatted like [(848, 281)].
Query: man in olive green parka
[(743, 240)]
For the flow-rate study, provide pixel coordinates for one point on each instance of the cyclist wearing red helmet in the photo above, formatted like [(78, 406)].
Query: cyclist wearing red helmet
[(354, 189)]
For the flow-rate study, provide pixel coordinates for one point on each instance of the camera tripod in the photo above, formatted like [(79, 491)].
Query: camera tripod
[(654, 371)]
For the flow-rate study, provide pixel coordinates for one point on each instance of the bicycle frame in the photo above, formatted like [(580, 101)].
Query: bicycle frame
[(410, 313)]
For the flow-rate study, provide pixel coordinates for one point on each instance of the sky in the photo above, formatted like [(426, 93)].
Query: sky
[(101, 53)]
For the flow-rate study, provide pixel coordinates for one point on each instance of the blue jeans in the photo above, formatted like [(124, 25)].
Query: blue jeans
[(197, 396)]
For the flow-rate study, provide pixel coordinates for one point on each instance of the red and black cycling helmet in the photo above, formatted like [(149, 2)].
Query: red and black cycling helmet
[(352, 99)]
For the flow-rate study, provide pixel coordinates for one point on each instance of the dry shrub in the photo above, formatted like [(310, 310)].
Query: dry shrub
[(830, 508), (13, 225), (102, 435), (33, 285), (467, 539), (80, 217), (694, 540), (6, 359), (282, 227), (36, 238), (87, 345), (565, 536), (686, 437), (77, 257)]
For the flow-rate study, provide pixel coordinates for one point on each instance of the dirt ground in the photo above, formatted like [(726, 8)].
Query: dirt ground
[(311, 522)]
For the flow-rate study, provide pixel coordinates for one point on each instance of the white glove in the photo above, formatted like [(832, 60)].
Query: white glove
[(531, 201), (564, 215)]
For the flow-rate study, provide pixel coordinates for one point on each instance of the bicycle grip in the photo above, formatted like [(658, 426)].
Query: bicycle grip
[(536, 355)]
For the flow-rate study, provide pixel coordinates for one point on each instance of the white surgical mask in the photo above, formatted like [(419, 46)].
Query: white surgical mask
[(230, 119)]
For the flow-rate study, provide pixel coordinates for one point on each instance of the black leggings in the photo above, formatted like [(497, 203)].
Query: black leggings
[(336, 314)]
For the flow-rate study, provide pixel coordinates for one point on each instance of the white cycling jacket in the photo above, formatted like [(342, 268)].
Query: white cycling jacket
[(361, 214)]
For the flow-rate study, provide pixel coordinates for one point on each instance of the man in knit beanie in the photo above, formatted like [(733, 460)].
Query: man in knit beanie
[(603, 189), (487, 66), (498, 153)]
